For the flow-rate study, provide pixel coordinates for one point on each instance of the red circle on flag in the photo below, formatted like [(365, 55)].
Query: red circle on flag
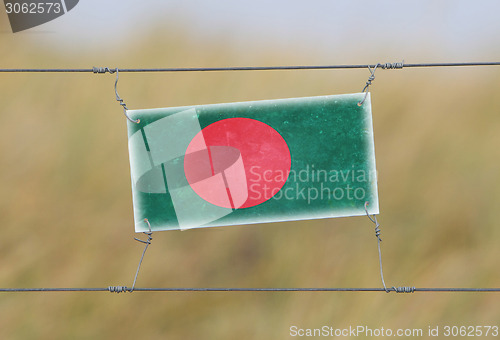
[(237, 163)]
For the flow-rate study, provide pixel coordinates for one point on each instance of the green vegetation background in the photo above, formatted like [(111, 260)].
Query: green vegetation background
[(66, 209)]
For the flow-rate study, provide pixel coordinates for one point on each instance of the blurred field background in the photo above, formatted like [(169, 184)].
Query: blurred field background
[(66, 208)]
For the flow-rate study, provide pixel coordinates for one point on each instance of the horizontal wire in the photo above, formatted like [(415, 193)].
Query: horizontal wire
[(245, 68), (125, 289)]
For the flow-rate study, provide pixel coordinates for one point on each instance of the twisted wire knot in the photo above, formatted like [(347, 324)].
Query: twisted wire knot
[(374, 220), (392, 66), (117, 289), (147, 233), (403, 289), (378, 232), (368, 83), (103, 70), (370, 79)]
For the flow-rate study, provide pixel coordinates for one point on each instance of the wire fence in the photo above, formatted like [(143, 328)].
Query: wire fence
[(371, 67)]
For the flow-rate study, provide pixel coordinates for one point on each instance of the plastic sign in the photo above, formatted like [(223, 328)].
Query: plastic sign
[(252, 162)]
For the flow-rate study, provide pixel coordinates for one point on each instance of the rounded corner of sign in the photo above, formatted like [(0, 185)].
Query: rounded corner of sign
[(131, 114), (374, 208)]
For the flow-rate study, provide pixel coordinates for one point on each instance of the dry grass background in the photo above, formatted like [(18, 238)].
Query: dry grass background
[(66, 210)]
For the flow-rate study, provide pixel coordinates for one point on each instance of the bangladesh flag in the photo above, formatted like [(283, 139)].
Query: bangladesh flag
[(252, 162)]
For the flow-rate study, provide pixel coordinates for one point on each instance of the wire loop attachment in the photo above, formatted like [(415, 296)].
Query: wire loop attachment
[(102, 70), (373, 218), (377, 235), (147, 243), (368, 83), (122, 289), (118, 99), (371, 78)]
